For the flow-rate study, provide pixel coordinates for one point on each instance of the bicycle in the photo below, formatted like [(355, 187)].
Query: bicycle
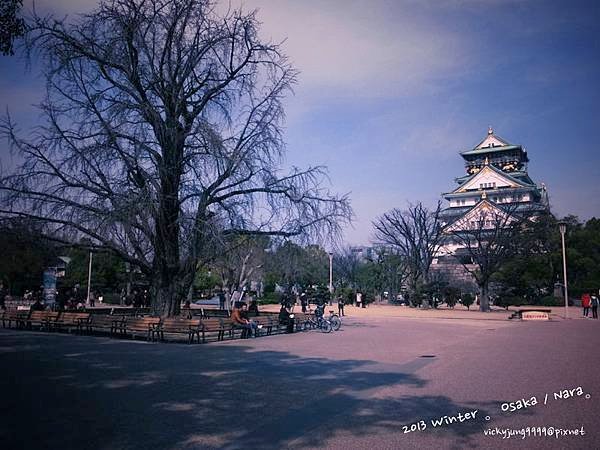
[(336, 321), (317, 320)]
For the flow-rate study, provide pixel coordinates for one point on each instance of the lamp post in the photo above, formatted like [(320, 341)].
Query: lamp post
[(331, 273), (89, 280), (562, 226)]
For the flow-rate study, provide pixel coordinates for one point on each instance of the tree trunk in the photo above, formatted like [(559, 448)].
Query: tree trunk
[(168, 292), (484, 299)]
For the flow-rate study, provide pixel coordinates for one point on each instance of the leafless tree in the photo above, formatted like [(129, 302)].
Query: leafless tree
[(240, 261), (414, 234), (346, 265), (162, 120), (486, 238)]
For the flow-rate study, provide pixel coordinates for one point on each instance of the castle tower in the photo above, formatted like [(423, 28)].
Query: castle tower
[(496, 172), (496, 180)]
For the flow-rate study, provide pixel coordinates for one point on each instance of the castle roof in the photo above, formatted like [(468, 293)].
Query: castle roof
[(491, 173)]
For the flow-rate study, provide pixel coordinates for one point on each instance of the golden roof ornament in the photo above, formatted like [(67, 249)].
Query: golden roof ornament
[(486, 162), (483, 195), (490, 130)]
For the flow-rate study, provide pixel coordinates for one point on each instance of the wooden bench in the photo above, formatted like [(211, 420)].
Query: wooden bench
[(104, 323), (14, 316), (42, 319), (179, 325), (263, 323), (212, 326), (136, 326), (73, 321)]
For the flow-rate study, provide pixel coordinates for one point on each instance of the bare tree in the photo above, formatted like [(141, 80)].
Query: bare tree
[(486, 238), (240, 261), (12, 25), (163, 120), (346, 265), (415, 234)]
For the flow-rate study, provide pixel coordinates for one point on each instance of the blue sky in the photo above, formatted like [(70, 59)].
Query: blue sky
[(391, 91)]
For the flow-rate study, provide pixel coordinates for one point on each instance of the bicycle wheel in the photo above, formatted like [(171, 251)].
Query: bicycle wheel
[(336, 322), (307, 325), (325, 326)]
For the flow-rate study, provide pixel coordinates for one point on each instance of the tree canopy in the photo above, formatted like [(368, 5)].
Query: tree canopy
[(163, 133)]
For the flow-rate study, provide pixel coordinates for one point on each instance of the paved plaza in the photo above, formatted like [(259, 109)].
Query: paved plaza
[(361, 387)]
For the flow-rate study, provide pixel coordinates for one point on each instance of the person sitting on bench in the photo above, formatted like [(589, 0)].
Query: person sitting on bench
[(239, 321)]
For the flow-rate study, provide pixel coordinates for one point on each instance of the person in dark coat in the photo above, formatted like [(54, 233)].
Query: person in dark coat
[(3, 294), (594, 303), (37, 305), (341, 303), (221, 300), (303, 301), (253, 307)]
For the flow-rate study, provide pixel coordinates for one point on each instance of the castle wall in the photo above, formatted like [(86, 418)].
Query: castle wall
[(454, 274)]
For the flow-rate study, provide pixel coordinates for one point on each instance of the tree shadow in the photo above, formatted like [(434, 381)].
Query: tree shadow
[(79, 392)]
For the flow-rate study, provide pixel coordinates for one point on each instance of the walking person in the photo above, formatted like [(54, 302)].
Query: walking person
[(594, 303), (341, 304), (586, 302)]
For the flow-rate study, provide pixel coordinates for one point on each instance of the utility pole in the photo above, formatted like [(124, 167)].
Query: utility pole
[(87, 302)]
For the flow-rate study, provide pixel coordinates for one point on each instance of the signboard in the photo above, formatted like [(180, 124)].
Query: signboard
[(50, 286), (535, 315)]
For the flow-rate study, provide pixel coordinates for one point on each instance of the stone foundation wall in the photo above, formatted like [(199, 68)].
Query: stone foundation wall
[(455, 274)]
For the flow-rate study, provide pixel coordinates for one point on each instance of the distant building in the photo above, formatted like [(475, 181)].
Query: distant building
[(496, 180), (363, 253)]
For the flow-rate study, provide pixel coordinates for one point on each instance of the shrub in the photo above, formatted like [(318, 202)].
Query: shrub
[(550, 301), (509, 300), (451, 295), (270, 298), (467, 300)]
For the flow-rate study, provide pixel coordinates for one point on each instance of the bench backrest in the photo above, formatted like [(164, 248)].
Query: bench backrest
[(15, 314), (175, 324), (212, 324), (105, 320), (43, 315), (73, 317), (145, 322)]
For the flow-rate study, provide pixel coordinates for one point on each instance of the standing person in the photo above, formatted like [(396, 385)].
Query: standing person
[(92, 299), (3, 294), (303, 302), (594, 303), (358, 299), (341, 303), (253, 307), (221, 299), (585, 302), (138, 300)]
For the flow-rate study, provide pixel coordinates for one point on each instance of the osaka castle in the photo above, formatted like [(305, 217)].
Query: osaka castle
[(496, 181)]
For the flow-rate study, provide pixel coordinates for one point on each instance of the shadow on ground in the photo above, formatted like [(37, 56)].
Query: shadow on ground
[(81, 392)]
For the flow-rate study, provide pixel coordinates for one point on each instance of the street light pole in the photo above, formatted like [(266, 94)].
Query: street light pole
[(331, 273), (562, 226), (89, 280)]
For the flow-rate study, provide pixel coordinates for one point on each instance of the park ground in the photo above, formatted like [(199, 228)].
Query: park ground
[(353, 389)]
